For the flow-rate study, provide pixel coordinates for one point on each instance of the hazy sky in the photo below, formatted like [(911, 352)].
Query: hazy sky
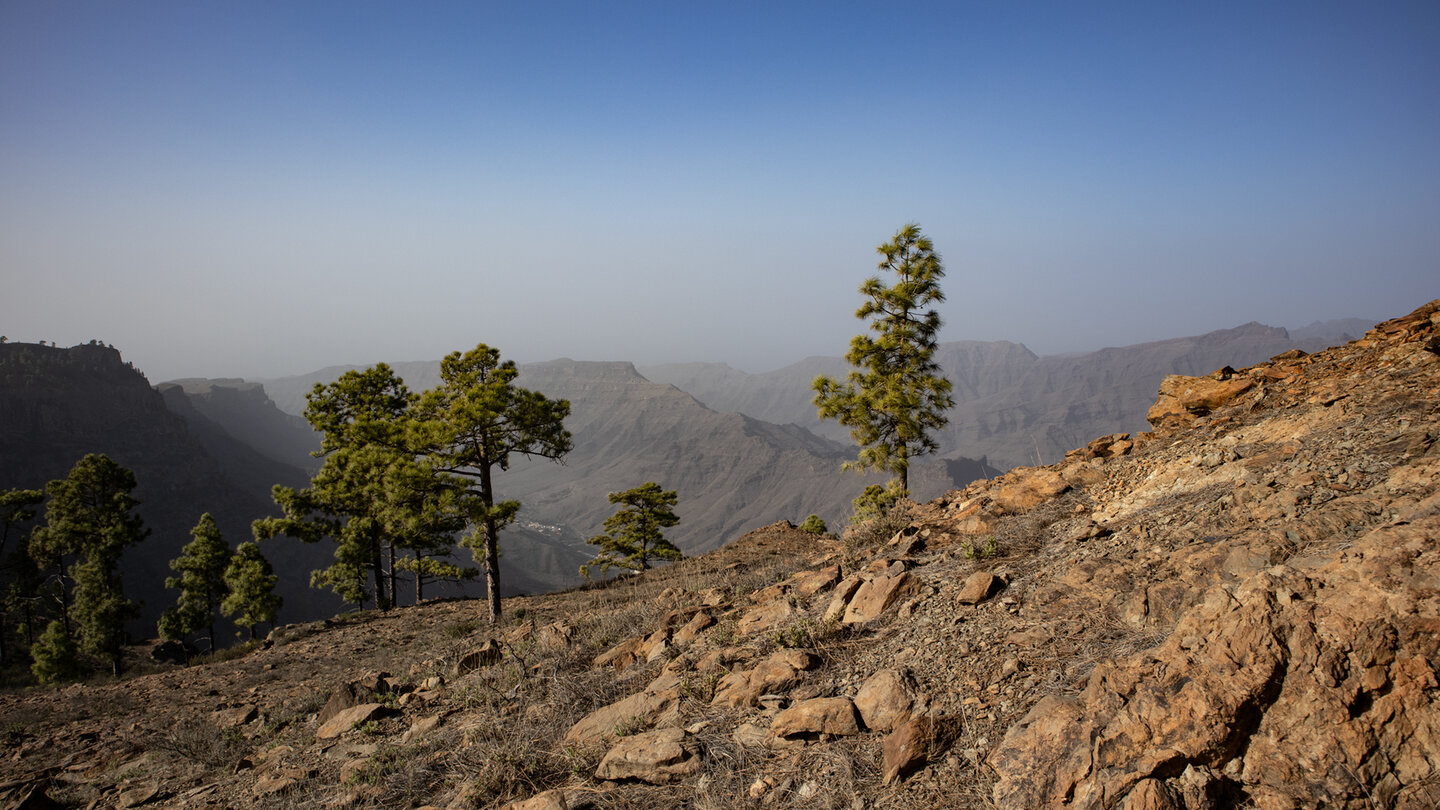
[(263, 188)]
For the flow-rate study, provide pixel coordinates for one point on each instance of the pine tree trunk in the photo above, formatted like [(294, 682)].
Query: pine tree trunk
[(394, 597), (377, 562), (492, 545), (492, 569)]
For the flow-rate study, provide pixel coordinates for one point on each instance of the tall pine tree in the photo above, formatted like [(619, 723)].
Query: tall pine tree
[(363, 421), (896, 398), (472, 424), (17, 507), (201, 565), (250, 585), (91, 514)]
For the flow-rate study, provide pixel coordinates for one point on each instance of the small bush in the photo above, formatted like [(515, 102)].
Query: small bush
[(204, 743), (794, 636), (814, 525), (982, 551), (54, 656)]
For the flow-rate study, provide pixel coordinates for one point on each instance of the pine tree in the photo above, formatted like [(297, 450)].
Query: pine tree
[(633, 534), (471, 425), (896, 398), (364, 421), (17, 507), (201, 565), (101, 610), (250, 583), (91, 514)]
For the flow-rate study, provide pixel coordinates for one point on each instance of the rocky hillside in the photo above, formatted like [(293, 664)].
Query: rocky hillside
[(1237, 607), (1011, 405)]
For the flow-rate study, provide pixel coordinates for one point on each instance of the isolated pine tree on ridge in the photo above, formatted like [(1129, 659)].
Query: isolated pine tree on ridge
[(896, 398), (633, 534)]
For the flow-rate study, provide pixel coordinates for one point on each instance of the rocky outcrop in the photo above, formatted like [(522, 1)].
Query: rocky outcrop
[(1308, 683)]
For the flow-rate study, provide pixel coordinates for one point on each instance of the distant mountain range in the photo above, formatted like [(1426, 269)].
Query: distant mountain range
[(741, 449), (1013, 407)]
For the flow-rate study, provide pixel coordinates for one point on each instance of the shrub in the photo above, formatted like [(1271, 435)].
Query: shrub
[(814, 525), (54, 656), (982, 551)]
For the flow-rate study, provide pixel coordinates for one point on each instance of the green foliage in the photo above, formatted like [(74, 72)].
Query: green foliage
[(17, 507), (201, 565), (875, 502), (633, 534), (250, 585), (90, 513), (53, 656), (101, 611), (896, 398), (171, 626), (982, 551), (375, 493), (630, 726), (406, 472), (470, 425), (814, 525), (794, 635), (431, 569)]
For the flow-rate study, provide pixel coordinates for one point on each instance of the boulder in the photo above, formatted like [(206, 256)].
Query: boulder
[(421, 727), (346, 696), (978, 587), (621, 655), (809, 583), (875, 595), (905, 749), (832, 716), (234, 717), (549, 800), (1025, 488), (884, 700), (782, 670), (555, 636), (654, 645), (349, 718), (1298, 684), (1182, 398), (662, 695), (764, 617), (686, 635), (658, 757), (485, 655), (844, 592), (170, 652)]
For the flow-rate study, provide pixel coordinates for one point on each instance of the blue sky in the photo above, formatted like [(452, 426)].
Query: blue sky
[(265, 188)]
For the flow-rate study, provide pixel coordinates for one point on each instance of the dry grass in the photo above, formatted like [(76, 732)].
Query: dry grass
[(200, 741)]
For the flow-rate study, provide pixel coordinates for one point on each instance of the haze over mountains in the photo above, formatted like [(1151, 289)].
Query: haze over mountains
[(1012, 406), (741, 449)]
